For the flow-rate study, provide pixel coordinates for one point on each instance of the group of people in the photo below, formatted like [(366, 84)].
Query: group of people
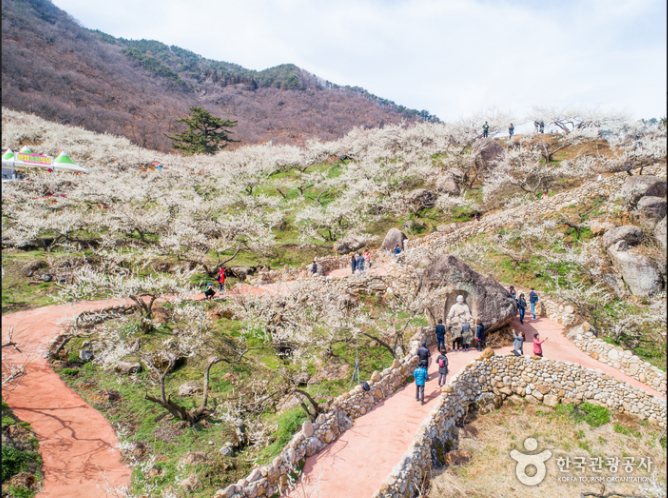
[(518, 337), (209, 292), (540, 126), (421, 373), (359, 261)]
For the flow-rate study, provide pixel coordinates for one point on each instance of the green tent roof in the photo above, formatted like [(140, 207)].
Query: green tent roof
[(63, 159), (8, 155), (25, 150)]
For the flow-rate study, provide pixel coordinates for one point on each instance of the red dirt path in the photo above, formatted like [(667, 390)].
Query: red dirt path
[(79, 446)]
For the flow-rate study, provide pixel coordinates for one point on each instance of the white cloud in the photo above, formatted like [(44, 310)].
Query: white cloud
[(451, 57)]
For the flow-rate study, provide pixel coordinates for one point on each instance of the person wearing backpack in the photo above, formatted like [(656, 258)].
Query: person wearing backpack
[(480, 334), (424, 354), (522, 307), (442, 361), (421, 376), (533, 299), (467, 335), (440, 335)]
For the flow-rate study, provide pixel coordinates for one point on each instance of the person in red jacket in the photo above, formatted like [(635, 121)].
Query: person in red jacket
[(221, 279), (537, 345)]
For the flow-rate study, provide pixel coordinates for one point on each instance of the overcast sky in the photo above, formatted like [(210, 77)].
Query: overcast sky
[(451, 57)]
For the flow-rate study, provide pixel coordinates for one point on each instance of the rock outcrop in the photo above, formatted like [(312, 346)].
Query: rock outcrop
[(446, 277), (637, 187), (394, 238), (421, 199), (349, 243), (639, 272), (487, 153), (652, 209), (632, 235)]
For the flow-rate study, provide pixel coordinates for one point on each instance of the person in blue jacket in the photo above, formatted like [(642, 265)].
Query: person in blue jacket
[(522, 306), (420, 375), (440, 335), (397, 250), (533, 299), (360, 263)]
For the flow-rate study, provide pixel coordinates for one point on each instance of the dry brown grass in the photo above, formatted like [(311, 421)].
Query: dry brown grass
[(491, 471)]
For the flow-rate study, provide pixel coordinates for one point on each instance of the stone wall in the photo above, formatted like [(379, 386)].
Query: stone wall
[(485, 383), (314, 437), (584, 339)]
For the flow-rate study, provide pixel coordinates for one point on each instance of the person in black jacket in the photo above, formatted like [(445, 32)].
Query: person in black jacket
[(424, 354), (442, 362), (353, 263), (440, 336), (480, 334), (522, 306)]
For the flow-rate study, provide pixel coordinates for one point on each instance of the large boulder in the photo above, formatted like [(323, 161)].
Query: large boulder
[(349, 243), (637, 187), (241, 272), (394, 238), (446, 277), (421, 198), (639, 272), (629, 233), (660, 233), (652, 208), (487, 153), (447, 184)]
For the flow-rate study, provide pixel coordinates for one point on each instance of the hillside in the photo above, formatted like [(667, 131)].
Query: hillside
[(53, 67)]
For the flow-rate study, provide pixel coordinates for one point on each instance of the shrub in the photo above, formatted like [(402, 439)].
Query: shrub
[(70, 371), (15, 461)]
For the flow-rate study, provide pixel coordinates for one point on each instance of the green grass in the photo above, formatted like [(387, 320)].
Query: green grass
[(627, 431), (593, 415), (15, 461)]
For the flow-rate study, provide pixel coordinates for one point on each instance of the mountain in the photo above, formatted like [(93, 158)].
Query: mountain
[(55, 68)]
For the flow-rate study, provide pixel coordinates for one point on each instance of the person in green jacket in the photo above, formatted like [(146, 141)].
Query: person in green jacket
[(421, 376), (485, 130)]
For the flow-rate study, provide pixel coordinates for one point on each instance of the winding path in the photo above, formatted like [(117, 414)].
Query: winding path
[(79, 447)]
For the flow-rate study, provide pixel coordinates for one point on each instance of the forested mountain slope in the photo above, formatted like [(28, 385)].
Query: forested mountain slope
[(53, 67)]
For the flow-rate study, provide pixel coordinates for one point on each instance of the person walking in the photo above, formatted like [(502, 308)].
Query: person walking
[(511, 131), (442, 361), (360, 264), (542, 127), (353, 263), (522, 306), (456, 338), (480, 334), (518, 343), (533, 299), (209, 292), (420, 375), (221, 279), (424, 354), (467, 335), (440, 335), (485, 130), (538, 345), (367, 258)]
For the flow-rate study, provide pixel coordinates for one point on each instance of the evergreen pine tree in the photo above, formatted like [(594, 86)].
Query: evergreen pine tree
[(204, 134)]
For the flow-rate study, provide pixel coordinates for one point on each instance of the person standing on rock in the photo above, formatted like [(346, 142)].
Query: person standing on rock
[(360, 264), (533, 299), (538, 345), (542, 127), (442, 362), (421, 376), (522, 307), (480, 334), (485, 130), (424, 354), (221, 279), (353, 263), (536, 125), (518, 343), (511, 131), (440, 335)]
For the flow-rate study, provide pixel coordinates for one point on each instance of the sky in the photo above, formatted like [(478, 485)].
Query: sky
[(450, 57)]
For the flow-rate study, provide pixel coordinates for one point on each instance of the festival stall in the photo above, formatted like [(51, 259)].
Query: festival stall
[(25, 159)]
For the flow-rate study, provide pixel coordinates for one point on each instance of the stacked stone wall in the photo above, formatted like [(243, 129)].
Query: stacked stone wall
[(486, 383)]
